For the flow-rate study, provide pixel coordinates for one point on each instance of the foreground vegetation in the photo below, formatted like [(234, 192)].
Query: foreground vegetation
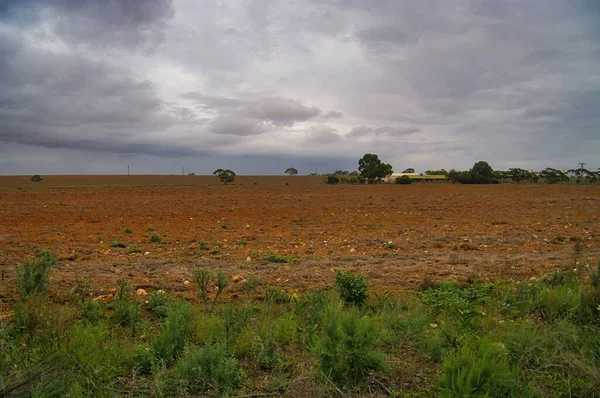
[(539, 338)]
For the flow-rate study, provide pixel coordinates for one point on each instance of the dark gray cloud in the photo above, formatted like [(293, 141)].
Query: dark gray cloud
[(104, 23), (511, 81)]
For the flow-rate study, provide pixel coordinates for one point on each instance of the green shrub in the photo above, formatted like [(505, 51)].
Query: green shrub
[(155, 238), (344, 350), (332, 180), (97, 354), (210, 367), (117, 244), (33, 275), (126, 314), (159, 302), (202, 277), (353, 289), (236, 318), (128, 230), (203, 245), (274, 258), (478, 370), (169, 343), (93, 311), (275, 295), (404, 180), (594, 275)]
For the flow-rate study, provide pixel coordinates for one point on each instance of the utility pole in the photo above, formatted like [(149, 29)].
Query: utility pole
[(127, 169), (182, 170)]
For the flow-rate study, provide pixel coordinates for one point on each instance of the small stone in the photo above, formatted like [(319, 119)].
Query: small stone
[(248, 259), (146, 253), (433, 325), (352, 250), (237, 279), (186, 282), (141, 292)]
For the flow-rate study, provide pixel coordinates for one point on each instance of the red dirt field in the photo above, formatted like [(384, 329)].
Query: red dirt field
[(395, 235)]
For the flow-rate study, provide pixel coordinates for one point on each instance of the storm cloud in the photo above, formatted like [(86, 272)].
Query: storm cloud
[(426, 84)]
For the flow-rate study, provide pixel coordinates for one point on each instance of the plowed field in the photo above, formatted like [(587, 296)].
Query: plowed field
[(395, 235)]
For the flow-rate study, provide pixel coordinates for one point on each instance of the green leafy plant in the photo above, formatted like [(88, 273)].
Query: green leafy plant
[(203, 245), (345, 349), (210, 366), (222, 282), (274, 258), (353, 289), (203, 278), (33, 275), (159, 302), (128, 230), (155, 238), (480, 369)]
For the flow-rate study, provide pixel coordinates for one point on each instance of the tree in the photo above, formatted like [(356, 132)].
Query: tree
[(483, 169), (371, 167), (36, 178), (331, 180), (437, 172), (409, 170), (553, 176), (225, 175), (519, 175), (291, 171)]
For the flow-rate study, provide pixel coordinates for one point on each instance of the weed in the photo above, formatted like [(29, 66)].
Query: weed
[(203, 278), (224, 225), (344, 350), (241, 242), (210, 366), (222, 282), (33, 275), (390, 246), (352, 288), (134, 249), (275, 295), (478, 370), (126, 314), (118, 244), (203, 245), (169, 343), (155, 238), (594, 275), (274, 258), (159, 302), (93, 311), (128, 230)]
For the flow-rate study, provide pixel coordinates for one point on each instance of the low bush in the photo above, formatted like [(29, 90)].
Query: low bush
[(345, 349), (480, 369), (353, 289), (33, 275), (210, 367)]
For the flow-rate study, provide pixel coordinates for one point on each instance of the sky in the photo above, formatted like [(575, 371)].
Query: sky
[(257, 86)]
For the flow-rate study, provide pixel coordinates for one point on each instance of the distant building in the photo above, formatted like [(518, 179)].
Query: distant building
[(416, 177)]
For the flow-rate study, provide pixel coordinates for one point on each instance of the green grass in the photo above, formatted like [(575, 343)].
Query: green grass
[(524, 339), (274, 258)]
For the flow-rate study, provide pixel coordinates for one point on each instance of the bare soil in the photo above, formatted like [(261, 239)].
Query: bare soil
[(395, 235)]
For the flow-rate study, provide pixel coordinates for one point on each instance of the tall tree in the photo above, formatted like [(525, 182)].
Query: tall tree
[(225, 175), (372, 168), (291, 171)]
